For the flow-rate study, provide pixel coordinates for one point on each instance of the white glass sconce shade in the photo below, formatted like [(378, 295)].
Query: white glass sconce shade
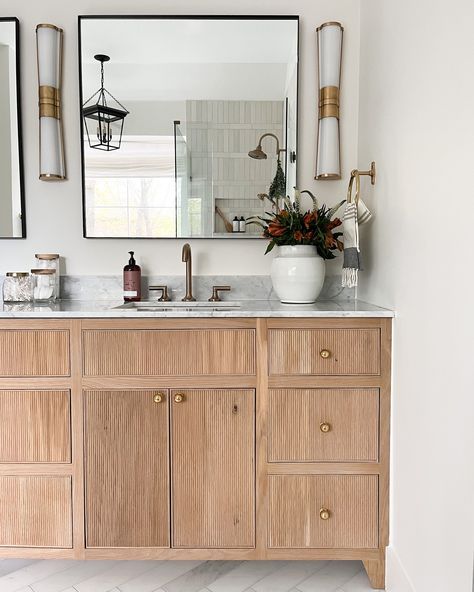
[(49, 50), (328, 161)]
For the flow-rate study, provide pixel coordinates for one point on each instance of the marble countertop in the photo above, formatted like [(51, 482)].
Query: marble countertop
[(246, 308)]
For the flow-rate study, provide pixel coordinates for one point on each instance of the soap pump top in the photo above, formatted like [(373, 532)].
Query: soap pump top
[(132, 264)]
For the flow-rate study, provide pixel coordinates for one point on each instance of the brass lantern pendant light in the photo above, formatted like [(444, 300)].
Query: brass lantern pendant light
[(104, 118)]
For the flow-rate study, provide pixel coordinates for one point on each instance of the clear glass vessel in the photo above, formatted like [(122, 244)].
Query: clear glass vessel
[(17, 287), (50, 261), (44, 285)]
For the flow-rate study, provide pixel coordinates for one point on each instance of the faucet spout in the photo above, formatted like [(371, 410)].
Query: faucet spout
[(186, 257)]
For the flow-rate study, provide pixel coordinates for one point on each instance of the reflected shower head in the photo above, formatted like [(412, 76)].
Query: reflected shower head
[(258, 153)]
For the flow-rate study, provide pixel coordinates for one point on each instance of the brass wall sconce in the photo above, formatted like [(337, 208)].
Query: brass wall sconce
[(49, 44), (259, 154), (328, 159)]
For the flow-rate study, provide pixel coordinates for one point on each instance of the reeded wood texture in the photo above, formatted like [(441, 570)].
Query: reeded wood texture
[(169, 353), (297, 351), (295, 503), (35, 426), (126, 469), (213, 469), (35, 511), (34, 353), (296, 416)]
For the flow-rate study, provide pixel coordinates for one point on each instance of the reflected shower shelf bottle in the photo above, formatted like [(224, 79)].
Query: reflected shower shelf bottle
[(132, 280)]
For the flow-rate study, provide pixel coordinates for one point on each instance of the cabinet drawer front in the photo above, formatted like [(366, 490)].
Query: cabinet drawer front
[(324, 351), (32, 352), (169, 353), (318, 425), (35, 511), (35, 427), (297, 501)]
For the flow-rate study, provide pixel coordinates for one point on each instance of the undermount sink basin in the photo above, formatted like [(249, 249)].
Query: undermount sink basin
[(157, 306)]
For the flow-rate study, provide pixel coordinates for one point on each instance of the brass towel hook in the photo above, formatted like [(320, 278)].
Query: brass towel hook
[(356, 174)]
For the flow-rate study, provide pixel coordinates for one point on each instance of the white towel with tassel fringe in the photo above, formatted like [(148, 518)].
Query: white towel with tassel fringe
[(351, 265)]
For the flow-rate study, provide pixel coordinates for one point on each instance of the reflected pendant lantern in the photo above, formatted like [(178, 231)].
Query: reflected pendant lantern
[(49, 42), (328, 160), (103, 119)]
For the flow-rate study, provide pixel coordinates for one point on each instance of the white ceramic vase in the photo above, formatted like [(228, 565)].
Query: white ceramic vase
[(298, 274)]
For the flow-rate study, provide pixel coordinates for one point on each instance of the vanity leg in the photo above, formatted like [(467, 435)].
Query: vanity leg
[(375, 569)]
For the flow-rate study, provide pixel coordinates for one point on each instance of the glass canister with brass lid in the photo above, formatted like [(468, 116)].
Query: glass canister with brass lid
[(50, 261), (17, 287), (44, 285)]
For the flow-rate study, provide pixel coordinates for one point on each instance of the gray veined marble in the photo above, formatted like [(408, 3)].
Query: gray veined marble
[(251, 287)]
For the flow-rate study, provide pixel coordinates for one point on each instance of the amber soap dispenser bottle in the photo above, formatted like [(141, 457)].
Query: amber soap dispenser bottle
[(132, 281)]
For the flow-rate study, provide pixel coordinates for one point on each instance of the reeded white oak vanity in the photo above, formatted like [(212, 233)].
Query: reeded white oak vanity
[(229, 437)]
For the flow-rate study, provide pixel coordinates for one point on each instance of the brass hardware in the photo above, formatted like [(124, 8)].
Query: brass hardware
[(164, 293), (324, 514), (179, 398), (325, 427), (356, 174), (329, 102), (330, 23), (215, 292), (259, 154), (187, 258), (325, 354), (49, 102), (158, 398)]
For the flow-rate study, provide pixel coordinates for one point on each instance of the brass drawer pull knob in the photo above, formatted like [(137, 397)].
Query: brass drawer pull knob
[(179, 398), (325, 427), (324, 514), (158, 398), (325, 354)]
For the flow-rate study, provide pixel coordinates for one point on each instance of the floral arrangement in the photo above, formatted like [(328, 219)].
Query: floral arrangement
[(288, 224)]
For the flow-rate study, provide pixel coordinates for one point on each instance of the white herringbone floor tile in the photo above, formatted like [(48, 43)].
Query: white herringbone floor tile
[(359, 583), (331, 577), (119, 573), (243, 576), (80, 571), (182, 576), (161, 573), (32, 573), (288, 576)]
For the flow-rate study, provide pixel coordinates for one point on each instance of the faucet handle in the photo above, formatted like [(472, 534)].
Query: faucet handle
[(164, 293), (215, 292)]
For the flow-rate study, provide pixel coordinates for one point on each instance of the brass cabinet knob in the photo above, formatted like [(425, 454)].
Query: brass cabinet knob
[(158, 398), (324, 514), (325, 354), (179, 398), (325, 427)]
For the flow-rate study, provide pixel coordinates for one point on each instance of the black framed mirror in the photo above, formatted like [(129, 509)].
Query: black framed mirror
[(186, 121), (12, 194)]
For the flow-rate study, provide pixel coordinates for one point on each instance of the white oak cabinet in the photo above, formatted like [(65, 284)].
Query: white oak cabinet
[(196, 438)]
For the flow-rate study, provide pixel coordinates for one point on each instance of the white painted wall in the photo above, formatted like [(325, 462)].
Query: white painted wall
[(417, 122), (54, 210)]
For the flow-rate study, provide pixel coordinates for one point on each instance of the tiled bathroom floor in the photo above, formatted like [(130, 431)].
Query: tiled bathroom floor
[(18, 575)]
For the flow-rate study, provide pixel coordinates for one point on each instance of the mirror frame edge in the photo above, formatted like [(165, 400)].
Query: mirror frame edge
[(21, 170)]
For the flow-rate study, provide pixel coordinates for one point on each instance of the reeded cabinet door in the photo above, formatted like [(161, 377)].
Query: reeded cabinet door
[(213, 468), (127, 468)]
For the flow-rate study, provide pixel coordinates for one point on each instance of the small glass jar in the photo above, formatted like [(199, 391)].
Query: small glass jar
[(17, 287), (44, 285), (49, 261)]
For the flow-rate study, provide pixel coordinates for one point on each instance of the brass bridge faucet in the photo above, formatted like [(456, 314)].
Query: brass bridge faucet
[(186, 258)]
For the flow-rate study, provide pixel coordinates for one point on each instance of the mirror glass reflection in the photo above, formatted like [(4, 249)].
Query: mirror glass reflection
[(12, 223), (170, 115)]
